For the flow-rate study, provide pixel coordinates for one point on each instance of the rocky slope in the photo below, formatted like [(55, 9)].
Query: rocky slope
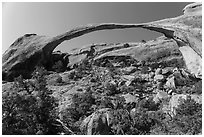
[(164, 70)]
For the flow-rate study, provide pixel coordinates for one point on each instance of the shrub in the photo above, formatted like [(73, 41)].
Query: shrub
[(81, 105), (126, 89), (149, 104), (120, 121), (189, 117), (188, 120), (105, 102), (59, 66), (110, 88), (142, 122), (29, 109)]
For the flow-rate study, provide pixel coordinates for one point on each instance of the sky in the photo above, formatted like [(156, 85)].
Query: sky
[(54, 18)]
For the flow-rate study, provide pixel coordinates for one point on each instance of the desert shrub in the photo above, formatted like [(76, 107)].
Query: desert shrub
[(84, 67), (104, 102), (149, 104), (120, 121), (188, 120), (123, 124), (73, 75), (54, 79), (110, 88), (59, 66), (80, 108), (126, 89), (197, 88), (81, 105), (189, 117), (29, 109), (142, 122)]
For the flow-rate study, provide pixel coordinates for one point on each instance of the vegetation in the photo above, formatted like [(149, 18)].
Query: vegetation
[(29, 108), (189, 117)]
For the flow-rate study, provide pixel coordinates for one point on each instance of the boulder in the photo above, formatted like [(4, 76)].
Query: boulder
[(128, 79), (167, 70), (130, 98), (170, 83), (158, 77), (179, 79), (160, 96), (97, 123), (54, 79), (128, 70), (158, 71)]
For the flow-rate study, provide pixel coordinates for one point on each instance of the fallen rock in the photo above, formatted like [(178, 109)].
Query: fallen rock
[(130, 98), (128, 70), (158, 77), (97, 123), (179, 79), (160, 96), (158, 71), (54, 79), (128, 79), (167, 70), (170, 83)]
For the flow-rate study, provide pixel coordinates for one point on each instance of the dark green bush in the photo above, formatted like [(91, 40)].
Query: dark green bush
[(81, 105), (59, 66), (189, 117), (187, 121), (110, 88), (120, 122), (29, 108), (149, 104)]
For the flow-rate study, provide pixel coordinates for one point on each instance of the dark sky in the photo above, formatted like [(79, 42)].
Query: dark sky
[(55, 18)]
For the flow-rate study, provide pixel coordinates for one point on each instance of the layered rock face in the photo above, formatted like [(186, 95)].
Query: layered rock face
[(183, 33)]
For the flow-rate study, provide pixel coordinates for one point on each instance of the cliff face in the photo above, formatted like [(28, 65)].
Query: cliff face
[(184, 31)]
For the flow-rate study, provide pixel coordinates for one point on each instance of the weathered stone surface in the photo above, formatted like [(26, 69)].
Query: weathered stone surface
[(170, 83), (130, 98), (158, 71), (184, 31), (158, 77), (54, 79), (161, 95), (97, 123), (167, 70), (160, 51)]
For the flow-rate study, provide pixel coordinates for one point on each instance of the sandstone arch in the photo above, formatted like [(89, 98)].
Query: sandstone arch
[(31, 49)]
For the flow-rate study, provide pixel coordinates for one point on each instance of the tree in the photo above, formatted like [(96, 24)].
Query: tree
[(29, 108)]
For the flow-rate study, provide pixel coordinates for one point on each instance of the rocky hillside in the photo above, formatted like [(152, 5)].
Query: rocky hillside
[(147, 87)]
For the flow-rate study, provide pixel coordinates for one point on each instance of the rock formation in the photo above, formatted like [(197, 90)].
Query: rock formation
[(184, 31), (145, 87)]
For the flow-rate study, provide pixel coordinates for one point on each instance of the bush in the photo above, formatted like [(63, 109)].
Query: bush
[(110, 88), (59, 66), (188, 120), (149, 104), (120, 121), (189, 117), (29, 108), (81, 105)]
